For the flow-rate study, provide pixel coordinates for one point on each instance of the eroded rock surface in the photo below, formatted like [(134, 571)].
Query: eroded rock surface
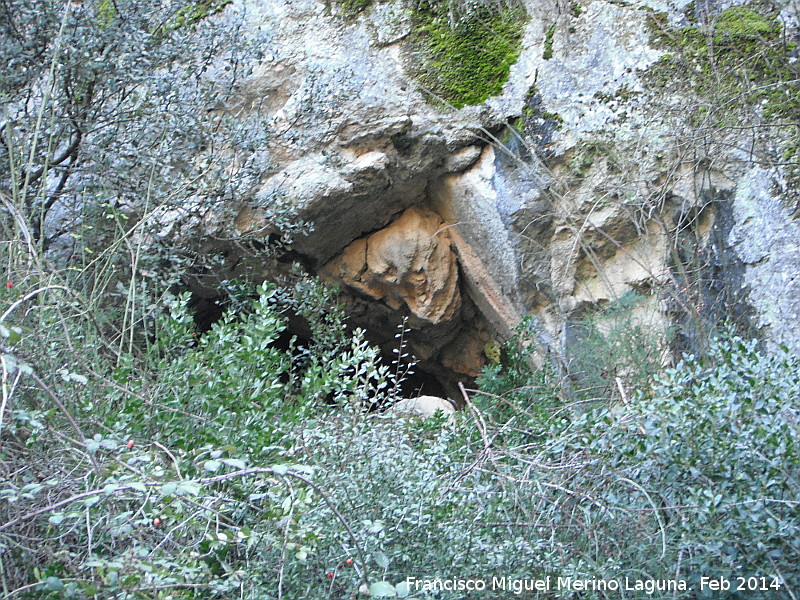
[(411, 268), (767, 240), (578, 185), (409, 263)]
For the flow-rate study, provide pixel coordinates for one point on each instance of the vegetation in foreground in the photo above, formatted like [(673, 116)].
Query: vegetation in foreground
[(218, 465)]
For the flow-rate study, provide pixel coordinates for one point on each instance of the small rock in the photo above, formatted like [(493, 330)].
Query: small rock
[(425, 407)]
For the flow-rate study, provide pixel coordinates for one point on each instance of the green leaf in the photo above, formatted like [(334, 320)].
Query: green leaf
[(78, 378), (376, 527), (53, 584), (9, 362), (234, 462), (382, 589), (187, 488), (12, 334), (56, 518), (168, 489), (402, 590), (31, 489), (381, 560), (212, 465)]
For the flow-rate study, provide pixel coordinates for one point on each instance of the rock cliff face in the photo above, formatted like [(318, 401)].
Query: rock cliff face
[(591, 177)]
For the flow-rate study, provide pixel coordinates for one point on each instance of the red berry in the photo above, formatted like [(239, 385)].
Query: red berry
[(130, 444), (156, 522), (349, 561), (10, 285), (329, 575)]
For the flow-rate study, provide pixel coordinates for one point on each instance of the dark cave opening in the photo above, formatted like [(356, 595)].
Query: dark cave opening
[(207, 310), (423, 378)]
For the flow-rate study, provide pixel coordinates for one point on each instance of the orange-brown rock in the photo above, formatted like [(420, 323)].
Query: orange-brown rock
[(465, 355), (410, 262)]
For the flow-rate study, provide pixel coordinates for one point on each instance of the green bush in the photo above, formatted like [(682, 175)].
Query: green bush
[(177, 464), (719, 444), (697, 478), (621, 343), (210, 466), (143, 459), (514, 397)]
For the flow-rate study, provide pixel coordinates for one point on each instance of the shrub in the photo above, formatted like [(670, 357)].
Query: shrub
[(622, 342), (176, 467), (515, 397), (211, 467), (695, 476), (699, 477), (111, 105), (719, 451)]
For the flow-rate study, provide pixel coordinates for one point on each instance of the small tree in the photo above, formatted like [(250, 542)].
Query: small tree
[(119, 102)]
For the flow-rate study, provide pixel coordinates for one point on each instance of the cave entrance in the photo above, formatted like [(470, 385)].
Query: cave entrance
[(419, 377), (413, 280)]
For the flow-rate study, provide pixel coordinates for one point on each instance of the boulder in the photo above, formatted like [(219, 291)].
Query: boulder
[(425, 407)]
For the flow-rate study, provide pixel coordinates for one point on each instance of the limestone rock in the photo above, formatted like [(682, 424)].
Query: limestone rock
[(424, 407), (512, 226), (596, 53), (388, 23), (409, 263), (765, 238), (471, 203), (462, 160), (631, 267)]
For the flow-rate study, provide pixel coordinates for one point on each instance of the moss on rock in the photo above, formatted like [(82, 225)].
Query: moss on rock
[(354, 7), (548, 42), (741, 56), (741, 68), (742, 21), (464, 59), (192, 13)]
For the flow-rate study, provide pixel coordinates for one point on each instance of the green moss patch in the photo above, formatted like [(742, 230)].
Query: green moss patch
[(192, 13), (354, 7), (742, 59), (106, 13), (744, 22), (547, 54), (464, 59), (738, 66)]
